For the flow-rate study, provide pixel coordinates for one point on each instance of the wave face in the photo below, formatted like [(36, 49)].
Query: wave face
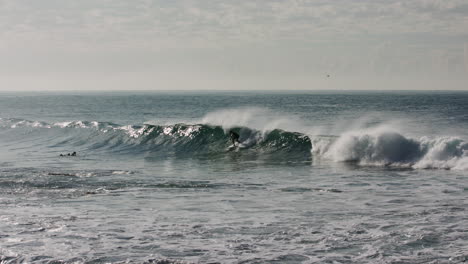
[(181, 140), (383, 146), (377, 146)]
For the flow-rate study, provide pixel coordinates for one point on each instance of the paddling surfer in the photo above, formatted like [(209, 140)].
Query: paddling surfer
[(69, 154)]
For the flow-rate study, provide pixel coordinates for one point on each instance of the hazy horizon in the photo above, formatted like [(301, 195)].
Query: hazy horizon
[(221, 45)]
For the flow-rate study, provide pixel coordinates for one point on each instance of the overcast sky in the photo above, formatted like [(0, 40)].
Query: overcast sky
[(221, 44)]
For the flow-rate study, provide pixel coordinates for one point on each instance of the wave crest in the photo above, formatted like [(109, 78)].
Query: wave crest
[(177, 139), (384, 146), (378, 146)]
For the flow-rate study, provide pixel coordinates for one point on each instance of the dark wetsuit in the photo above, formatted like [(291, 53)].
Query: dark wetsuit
[(69, 154), (234, 137)]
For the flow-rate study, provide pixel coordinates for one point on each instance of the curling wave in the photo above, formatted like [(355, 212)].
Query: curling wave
[(178, 139), (378, 146)]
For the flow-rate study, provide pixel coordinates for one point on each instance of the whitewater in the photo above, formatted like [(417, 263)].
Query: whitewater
[(325, 177)]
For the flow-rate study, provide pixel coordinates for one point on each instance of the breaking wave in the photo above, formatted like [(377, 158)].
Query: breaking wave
[(377, 146), (172, 140), (383, 146)]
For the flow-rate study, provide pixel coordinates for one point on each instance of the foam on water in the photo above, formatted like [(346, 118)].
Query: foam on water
[(386, 146)]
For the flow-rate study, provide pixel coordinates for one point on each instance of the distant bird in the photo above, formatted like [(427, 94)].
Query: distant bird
[(328, 75)]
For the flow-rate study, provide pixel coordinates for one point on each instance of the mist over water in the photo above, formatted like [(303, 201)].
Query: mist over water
[(351, 177)]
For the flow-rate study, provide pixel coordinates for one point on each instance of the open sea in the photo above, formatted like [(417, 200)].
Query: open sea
[(320, 177)]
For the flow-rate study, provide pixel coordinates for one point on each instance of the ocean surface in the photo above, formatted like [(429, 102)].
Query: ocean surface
[(321, 177)]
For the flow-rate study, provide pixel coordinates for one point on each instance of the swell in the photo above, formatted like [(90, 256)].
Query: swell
[(167, 140), (378, 146)]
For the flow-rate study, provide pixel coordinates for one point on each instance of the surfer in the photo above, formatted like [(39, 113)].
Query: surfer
[(234, 137), (69, 154)]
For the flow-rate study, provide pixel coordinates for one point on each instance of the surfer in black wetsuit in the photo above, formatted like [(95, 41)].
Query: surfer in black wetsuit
[(69, 154), (234, 137)]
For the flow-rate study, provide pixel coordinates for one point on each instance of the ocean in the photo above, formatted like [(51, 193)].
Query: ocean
[(320, 177)]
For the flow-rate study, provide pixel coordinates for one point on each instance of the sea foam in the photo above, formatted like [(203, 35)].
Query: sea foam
[(386, 146)]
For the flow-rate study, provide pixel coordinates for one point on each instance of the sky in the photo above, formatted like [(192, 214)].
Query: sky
[(229, 45)]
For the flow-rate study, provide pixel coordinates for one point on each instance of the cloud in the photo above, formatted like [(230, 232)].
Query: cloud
[(118, 20), (257, 39), (465, 51)]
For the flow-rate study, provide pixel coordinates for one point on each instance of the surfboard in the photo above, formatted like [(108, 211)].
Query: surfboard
[(232, 147), (241, 146), (236, 147)]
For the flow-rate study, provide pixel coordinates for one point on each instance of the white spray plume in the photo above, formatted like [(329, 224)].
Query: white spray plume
[(257, 118)]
